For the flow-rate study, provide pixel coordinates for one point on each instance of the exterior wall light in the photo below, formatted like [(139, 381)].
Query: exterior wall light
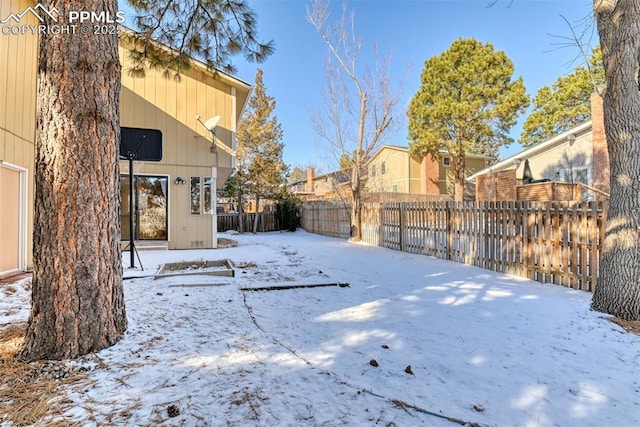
[(179, 180)]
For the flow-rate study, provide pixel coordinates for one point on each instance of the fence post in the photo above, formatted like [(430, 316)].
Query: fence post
[(381, 226), (449, 227), (401, 219)]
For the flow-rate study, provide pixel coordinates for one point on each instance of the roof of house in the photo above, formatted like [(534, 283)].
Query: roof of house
[(406, 149), (532, 151), (341, 176)]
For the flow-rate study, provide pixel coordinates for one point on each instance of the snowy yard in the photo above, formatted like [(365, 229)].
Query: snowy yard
[(448, 339)]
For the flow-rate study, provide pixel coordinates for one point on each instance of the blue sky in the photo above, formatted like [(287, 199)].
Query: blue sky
[(414, 30)]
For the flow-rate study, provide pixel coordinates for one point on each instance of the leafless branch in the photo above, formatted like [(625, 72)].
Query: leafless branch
[(360, 107)]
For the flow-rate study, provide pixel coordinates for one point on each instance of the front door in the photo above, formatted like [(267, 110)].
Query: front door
[(150, 218)]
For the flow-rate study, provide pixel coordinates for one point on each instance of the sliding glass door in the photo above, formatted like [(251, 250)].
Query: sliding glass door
[(150, 204)]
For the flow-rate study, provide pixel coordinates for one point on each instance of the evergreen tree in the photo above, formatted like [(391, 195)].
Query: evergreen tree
[(230, 187), (347, 160), (213, 30), (261, 171), (565, 104), (77, 302), (466, 104), (297, 174)]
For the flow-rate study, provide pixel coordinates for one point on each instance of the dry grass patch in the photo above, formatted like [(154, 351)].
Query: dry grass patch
[(10, 290), (632, 326), (27, 395), (226, 243)]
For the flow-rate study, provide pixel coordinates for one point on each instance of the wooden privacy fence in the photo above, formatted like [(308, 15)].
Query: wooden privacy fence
[(267, 221), (551, 242), (327, 219)]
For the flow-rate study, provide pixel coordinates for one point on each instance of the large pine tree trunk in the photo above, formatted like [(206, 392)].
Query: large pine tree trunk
[(77, 303), (618, 288)]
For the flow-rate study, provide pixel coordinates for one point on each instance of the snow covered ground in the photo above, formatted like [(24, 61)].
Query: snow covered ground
[(478, 346)]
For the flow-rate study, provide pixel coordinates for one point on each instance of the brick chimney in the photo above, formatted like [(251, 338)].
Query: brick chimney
[(600, 162), (430, 171), (310, 174)]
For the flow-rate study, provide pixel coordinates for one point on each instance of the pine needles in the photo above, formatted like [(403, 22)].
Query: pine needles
[(27, 395)]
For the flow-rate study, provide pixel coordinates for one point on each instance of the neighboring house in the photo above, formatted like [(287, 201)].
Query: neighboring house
[(174, 198), (332, 185), (393, 169), (573, 165)]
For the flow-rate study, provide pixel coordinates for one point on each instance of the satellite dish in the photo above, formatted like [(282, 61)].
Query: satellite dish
[(210, 124)]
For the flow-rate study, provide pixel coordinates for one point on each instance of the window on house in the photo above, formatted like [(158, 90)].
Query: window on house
[(201, 195), (207, 195), (383, 168), (195, 195), (150, 204), (373, 170), (395, 188), (446, 161)]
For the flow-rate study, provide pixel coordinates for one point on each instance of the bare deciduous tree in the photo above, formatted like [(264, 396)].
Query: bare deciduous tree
[(358, 109), (618, 289)]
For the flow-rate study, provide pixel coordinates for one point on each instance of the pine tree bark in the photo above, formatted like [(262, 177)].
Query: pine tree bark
[(618, 288), (77, 296), (459, 166)]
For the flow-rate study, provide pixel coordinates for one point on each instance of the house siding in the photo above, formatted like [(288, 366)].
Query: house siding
[(447, 181), (473, 165), (150, 102), (415, 175), (397, 167), (171, 105), (18, 71), (556, 163)]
